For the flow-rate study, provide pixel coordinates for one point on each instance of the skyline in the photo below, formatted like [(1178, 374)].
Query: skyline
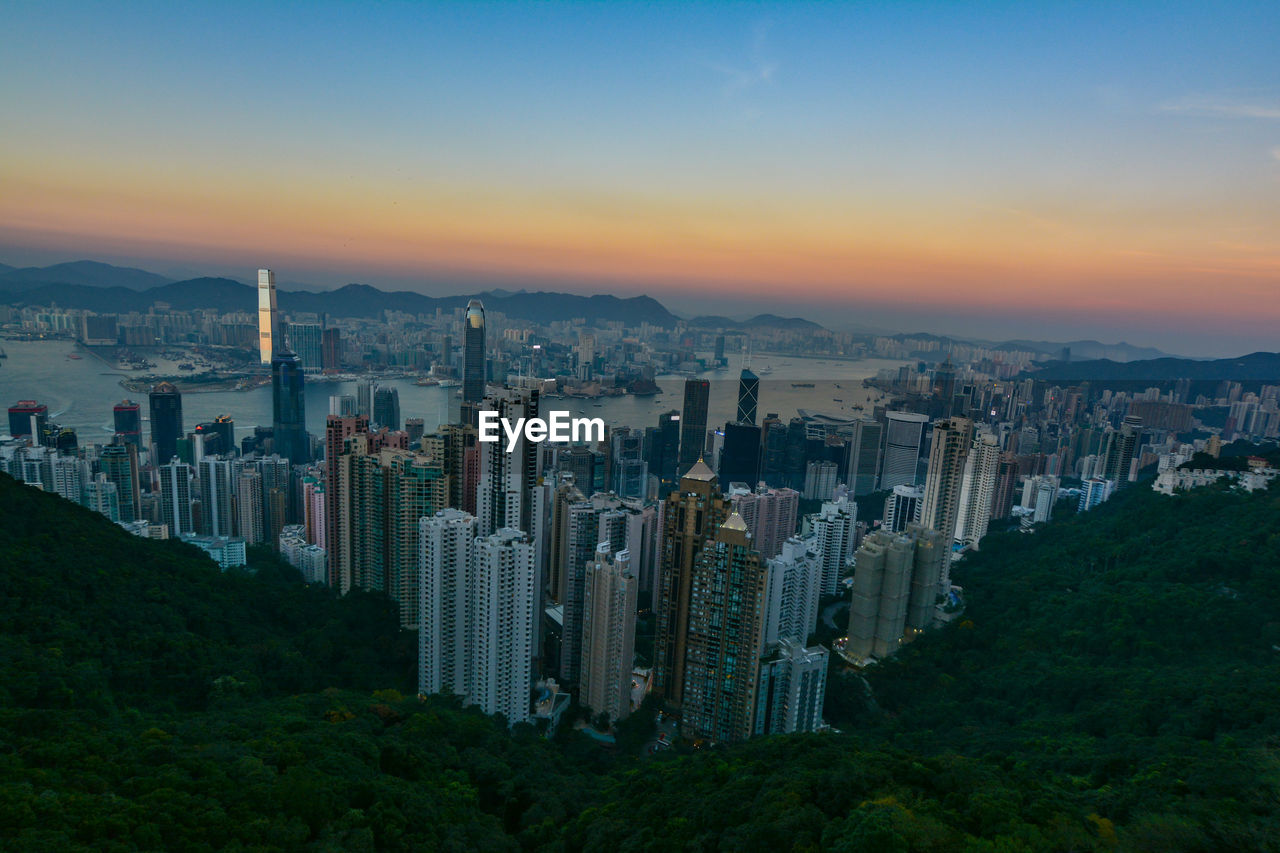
[(1056, 172)]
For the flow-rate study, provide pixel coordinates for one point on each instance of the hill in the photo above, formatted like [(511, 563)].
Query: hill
[(1112, 684), (1255, 367), (86, 273), (770, 321)]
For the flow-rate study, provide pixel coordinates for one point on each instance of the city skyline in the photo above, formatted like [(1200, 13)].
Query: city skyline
[(1004, 172)]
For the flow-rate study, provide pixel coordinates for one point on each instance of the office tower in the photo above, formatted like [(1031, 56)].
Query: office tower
[(582, 463), (217, 505), (863, 462), (288, 421), (740, 458), (725, 633), (219, 436), (127, 416), (305, 340), (834, 535), (249, 515), (166, 424), (719, 350), (902, 508), (748, 396), (337, 429), (313, 492), (119, 463), (664, 448), (28, 418), (820, 480), (977, 492), (630, 474), (364, 397), (331, 349), (904, 432), (690, 518), (693, 421), (175, 498), (770, 515), (444, 636), (382, 493), (1040, 494), (1006, 485), (413, 427), (948, 453), (506, 478), (456, 446), (794, 588), (1122, 447), (608, 633), (343, 406), (279, 506), (268, 325), (101, 496), (944, 387), (474, 372), (1093, 492), (579, 527), (504, 601), (386, 408), (792, 689)]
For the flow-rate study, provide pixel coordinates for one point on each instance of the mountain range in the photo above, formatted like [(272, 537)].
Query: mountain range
[(1258, 366)]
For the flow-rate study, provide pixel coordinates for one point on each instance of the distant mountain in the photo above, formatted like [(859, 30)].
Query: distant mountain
[(85, 273), (353, 300), (1089, 349), (1258, 366), (772, 321)]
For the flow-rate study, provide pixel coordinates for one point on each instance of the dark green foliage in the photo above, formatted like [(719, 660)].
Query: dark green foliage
[(1112, 685)]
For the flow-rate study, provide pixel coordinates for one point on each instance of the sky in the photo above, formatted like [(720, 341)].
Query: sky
[(1003, 170)]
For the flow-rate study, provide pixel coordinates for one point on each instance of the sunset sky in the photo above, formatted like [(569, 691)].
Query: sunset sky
[(1006, 170)]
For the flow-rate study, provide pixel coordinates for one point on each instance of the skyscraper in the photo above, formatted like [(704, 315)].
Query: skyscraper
[(740, 456), (948, 453), (166, 425), (217, 506), (21, 416), (127, 417), (608, 632), (725, 635), (386, 408), (288, 408), (904, 433), (249, 516), (473, 353), (119, 462), (305, 340), (504, 604), (1122, 447), (748, 396), (268, 327), (693, 421), (977, 492), (331, 349), (834, 537), (175, 498), (444, 635), (770, 515), (902, 508), (863, 464), (506, 479), (337, 429)]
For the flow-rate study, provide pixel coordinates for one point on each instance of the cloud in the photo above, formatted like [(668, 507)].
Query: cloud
[(758, 68), (1200, 105), (1275, 152)]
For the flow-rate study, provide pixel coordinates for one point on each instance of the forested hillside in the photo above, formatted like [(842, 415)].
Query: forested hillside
[(1113, 684)]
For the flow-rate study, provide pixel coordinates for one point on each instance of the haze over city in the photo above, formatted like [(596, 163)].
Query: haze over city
[(1011, 171)]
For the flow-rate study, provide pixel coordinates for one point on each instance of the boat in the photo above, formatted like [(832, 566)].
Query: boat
[(426, 381), (801, 384), (74, 356)]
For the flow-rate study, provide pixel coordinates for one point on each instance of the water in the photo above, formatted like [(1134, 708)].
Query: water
[(81, 393)]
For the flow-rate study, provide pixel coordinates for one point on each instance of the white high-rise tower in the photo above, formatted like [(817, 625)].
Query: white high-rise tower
[(267, 323)]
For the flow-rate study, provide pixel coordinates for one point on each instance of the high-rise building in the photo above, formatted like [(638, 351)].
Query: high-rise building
[(217, 436), (127, 417), (268, 324), (740, 456), (386, 408), (693, 421), (504, 581), (249, 516), (28, 418), (175, 498), (948, 454), (608, 632), (331, 349), (725, 634), (444, 635), (305, 339), (794, 589), (337, 430), (902, 508), (895, 588), (1093, 492), (507, 478), (792, 689), (579, 527), (119, 463), (101, 496), (1121, 449), (863, 464), (977, 492), (289, 423), (474, 372), (834, 536), (630, 473), (748, 396), (413, 427), (166, 426), (690, 518), (770, 515), (820, 480), (904, 433), (217, 504)]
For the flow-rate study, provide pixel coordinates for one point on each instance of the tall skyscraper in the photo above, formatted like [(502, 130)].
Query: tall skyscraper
[(119, 462), (28, 418), (740, 456), (748, 396), (166, 425), (504, 605), (473, 353), (1121, 448), (834, 536), (127, 417), (175, 498), (217, 504), (770, 514), (608, 632), (288, 408), (793, 687), (305, 340), (904, 433), (331, 349), (724, 637), (444, 596), (863, 464), (268, 325), (894, 572), (977, 492), (386, 408), (693, 421), (902, 508), (794, 589), (506, 479), (337, 429), (948, 453), (690, 518), (249, 516)]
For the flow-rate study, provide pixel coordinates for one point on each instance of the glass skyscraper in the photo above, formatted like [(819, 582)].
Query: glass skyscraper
[(288, 411)]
